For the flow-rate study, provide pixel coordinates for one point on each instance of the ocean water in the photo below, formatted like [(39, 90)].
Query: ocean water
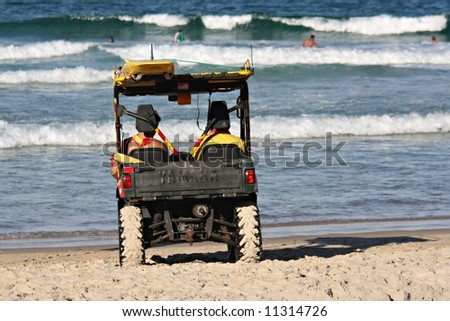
[(356, 132)]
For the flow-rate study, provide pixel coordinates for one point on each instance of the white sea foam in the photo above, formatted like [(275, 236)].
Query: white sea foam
[(75, 75), (301, 127), (368, 125), (264, 54), (222, 22), (162, 19), (21, 135), (235, 56), (395, 55), (225, 22), (46, 49), (269, 55), (377, 25)]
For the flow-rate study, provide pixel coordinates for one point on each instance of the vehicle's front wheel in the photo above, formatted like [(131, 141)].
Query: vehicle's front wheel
[(248, 235), (131, 240)]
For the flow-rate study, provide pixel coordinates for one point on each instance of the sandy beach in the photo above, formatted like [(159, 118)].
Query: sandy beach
[(398, 265)]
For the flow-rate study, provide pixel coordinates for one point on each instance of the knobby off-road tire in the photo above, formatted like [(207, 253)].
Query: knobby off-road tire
[(248, 235), (131, 237)]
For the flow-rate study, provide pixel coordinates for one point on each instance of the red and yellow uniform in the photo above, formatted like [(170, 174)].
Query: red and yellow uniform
[(215, 137)]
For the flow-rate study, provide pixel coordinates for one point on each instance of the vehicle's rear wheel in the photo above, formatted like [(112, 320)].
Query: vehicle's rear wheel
[(247, 236), (131, 241)]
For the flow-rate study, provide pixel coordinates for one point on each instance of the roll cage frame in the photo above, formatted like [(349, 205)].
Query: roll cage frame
[(175, 86)]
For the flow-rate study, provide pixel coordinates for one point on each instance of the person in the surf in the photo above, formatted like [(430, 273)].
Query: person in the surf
[(310, 42), (179, 36), (434, 40)]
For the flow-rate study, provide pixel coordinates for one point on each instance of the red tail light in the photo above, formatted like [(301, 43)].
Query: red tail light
[(250, 177), (127, 181), (128, 170)]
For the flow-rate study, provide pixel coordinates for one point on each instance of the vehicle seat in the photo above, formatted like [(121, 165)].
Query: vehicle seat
[(222, 152), (151, 156), (219, 112), (149, 112), (226, 151)]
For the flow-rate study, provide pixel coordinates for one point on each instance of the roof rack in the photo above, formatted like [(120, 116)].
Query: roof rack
[(149, 75)]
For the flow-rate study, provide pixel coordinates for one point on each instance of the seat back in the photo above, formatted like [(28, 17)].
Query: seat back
[(227, 154), (219, 113), (150, 113)]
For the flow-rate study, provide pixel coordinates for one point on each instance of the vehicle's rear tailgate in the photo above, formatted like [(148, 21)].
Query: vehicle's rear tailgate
[(186, 179)]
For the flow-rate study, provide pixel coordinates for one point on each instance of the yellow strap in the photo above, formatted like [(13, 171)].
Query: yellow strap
[(166, 141), (138, 139), (198, 145), (122, 158)]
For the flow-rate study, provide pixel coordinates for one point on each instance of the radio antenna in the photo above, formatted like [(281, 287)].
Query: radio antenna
[(251, 54)]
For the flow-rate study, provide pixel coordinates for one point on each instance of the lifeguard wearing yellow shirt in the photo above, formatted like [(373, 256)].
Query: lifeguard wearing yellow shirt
[(219, 134)]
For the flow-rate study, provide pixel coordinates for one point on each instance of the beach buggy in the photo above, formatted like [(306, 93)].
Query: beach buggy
[(206, 193)]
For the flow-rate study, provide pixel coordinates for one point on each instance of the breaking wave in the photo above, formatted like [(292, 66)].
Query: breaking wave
[(377, 25), (367, 125), (77, 75), (271, 55), (200, 57), (255, 26), (54, 134), (160, 19), (301, 127), (45, 49)]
